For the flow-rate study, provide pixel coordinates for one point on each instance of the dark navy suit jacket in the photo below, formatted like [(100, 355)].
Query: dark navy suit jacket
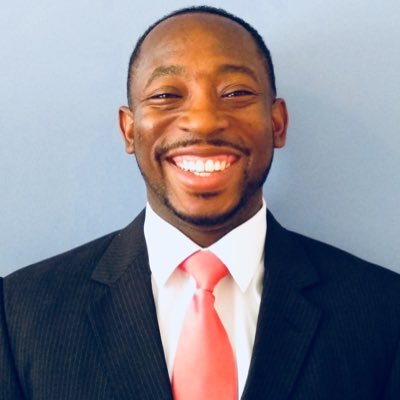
[(83, 325)]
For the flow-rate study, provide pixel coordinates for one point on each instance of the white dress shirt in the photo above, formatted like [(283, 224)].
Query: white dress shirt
[(237, 295)]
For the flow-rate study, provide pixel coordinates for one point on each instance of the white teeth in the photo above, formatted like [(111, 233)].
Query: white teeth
[(202, 173), (209, 166), (201, 168)]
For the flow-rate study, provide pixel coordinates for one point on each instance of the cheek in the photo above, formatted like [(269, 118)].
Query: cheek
[(148, 125), (145, 125), (151, 126), (151, 131), (260, 135), (262, 145)]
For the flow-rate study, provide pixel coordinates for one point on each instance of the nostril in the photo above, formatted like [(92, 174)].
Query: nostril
[(203, 121)]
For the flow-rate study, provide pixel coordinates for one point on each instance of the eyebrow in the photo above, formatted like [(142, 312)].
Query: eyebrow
[(177, 70), (241, 69), (165, 70)]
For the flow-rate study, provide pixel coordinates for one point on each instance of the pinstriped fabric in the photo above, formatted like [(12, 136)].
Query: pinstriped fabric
[(74, 337), (9, 387), (127, 304), (329, 325), (49, 329), (134, 344), (293, 318), (83, 325)]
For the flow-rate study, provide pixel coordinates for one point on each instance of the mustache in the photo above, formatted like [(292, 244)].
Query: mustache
[(161, 151)]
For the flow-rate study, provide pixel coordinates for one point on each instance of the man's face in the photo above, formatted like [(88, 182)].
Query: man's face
[(203, 123)]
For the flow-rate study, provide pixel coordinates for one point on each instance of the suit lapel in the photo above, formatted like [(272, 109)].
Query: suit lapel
[(287, 321), (124, 321)]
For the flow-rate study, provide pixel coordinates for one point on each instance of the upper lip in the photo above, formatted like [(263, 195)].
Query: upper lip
[(203, 151)]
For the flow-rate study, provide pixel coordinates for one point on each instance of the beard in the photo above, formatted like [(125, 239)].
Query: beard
[(206, 220)]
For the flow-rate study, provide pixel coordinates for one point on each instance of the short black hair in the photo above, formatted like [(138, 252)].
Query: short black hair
[(259, 41)]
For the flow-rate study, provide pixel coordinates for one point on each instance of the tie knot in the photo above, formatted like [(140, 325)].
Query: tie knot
[(206, 269)]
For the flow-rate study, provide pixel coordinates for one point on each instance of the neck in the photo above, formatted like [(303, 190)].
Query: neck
[(206, 233)]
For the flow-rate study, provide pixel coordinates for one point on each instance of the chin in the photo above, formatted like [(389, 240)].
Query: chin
[(207, 219)]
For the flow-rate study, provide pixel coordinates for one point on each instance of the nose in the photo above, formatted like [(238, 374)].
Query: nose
[(203, 118)]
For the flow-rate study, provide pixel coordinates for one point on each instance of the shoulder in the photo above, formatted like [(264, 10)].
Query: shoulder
[(350, 276), (82, 257), (322, 262), (329, 276), (67, 278), (333, 259), (47, 286), (51, 295), (58, 277)]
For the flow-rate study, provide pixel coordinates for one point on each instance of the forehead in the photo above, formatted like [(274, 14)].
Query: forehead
[(193, 39)]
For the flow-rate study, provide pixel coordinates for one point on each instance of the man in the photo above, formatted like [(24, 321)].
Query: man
[(104, 321)]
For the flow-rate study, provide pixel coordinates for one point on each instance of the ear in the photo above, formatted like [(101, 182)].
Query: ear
[(279, 122), (126, 128)]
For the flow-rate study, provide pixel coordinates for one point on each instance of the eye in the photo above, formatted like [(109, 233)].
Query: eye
[(165, 96), (238, 93)]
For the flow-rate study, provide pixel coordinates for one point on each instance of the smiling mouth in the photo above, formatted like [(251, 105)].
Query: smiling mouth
[(203, 166)]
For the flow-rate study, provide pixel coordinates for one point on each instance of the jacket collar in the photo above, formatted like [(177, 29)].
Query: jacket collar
[(123, 318), (287, 322)]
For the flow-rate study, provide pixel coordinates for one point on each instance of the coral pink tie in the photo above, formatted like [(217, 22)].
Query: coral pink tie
[(204, 367)]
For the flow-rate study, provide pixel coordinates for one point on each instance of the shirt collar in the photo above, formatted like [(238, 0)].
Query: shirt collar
[(241, 250)]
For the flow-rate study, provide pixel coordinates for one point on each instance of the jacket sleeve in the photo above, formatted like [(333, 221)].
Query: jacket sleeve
[(10, 388)]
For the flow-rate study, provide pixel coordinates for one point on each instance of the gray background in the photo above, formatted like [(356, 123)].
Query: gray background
[(64, 176)]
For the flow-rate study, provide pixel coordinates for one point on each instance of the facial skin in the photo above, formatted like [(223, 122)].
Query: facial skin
[(203, 124)]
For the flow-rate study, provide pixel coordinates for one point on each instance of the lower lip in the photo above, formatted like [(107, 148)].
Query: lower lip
[(212, 183)]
